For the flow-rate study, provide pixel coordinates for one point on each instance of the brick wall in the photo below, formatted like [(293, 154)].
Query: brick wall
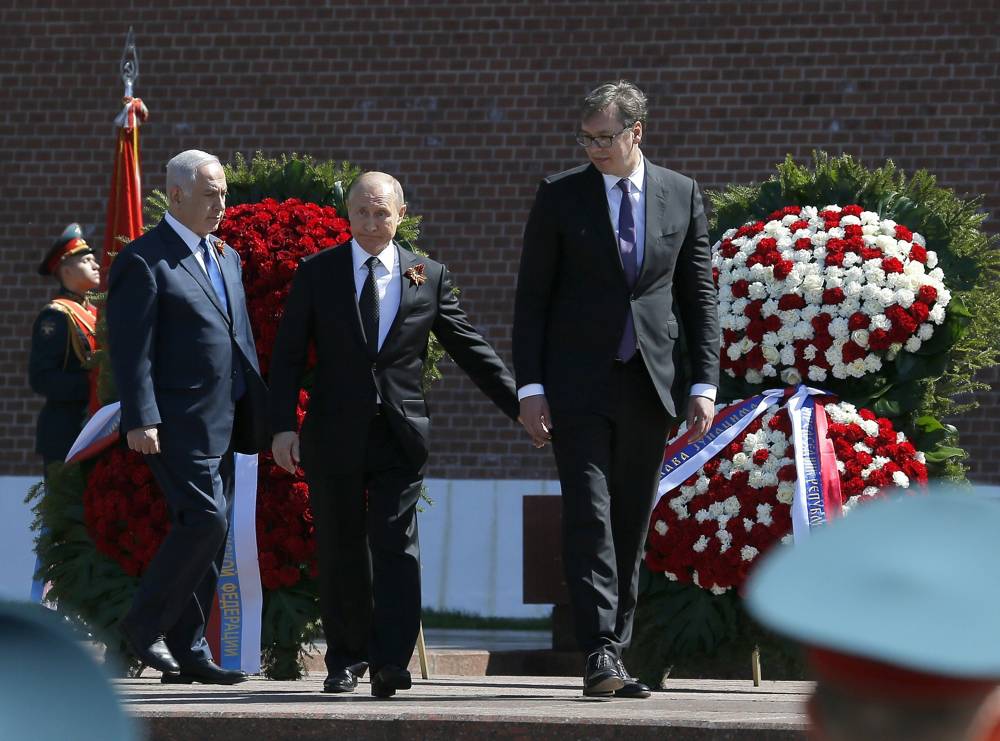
[(470, 103)]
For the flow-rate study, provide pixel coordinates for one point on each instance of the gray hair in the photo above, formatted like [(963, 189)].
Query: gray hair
[(182, 170), (373, 176), (628, 100)]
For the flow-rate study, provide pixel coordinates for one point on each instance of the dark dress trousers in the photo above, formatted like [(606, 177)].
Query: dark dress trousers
[(179, 360), (610, 418), (364, 460)]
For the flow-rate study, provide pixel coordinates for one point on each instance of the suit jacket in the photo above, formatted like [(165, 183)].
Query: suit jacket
[(572, 296), (322, 308), (175, 350)]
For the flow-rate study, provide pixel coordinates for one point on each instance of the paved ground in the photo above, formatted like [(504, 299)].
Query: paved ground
[(458, 708)]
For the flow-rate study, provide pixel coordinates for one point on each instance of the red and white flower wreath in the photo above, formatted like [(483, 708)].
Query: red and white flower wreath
[(813, 292), (711, 529)]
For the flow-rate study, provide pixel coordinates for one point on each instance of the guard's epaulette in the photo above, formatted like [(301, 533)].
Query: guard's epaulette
[(57, 306)]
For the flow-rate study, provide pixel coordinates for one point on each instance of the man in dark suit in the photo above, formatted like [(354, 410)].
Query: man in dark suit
[(186, 369), (615, 265), (369, 306)]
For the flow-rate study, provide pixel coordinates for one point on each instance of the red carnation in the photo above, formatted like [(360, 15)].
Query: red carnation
[(852, 351), (878, 339), (858, 320), (791, 301), (753, 309), (919, 312), (787, 473), (783, 268), (892, 265), (833, 296)]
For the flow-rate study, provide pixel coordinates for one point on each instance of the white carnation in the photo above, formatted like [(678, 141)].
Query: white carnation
[(791, 376), (764, 514)]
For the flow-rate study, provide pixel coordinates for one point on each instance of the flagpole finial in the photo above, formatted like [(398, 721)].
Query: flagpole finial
[(129, 63)]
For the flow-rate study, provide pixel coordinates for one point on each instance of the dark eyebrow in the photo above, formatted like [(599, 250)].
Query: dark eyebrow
[(603, 132)]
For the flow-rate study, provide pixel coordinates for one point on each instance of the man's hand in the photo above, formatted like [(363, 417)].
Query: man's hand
[(285, 449), (536, 419), (701, 412), (145, 440)]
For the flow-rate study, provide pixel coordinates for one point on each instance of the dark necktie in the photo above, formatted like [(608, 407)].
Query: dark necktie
[(368, 306), (215, 278), (630, 264)]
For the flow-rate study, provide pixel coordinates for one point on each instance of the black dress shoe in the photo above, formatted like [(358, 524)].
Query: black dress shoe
[(343, 681), (633, 688), (388, 679), (601, 678), (154, 654), (205, 672)]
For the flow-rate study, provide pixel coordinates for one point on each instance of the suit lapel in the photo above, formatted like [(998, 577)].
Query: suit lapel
[(596, 201), (407, 292), (656, 206), (190, 263), (347, 288)]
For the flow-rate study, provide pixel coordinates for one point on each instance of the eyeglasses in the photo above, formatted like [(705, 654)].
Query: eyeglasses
[(603, 141)]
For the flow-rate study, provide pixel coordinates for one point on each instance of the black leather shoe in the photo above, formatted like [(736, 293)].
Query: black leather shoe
[(633, 688), (601, 678), (154, 654), (388, 679), (204, 672), (343, 681)]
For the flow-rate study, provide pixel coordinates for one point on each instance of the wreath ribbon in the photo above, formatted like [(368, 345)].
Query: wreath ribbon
[(817, 486)]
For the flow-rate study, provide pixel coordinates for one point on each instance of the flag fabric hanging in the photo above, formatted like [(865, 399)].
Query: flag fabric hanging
[(125, 203)]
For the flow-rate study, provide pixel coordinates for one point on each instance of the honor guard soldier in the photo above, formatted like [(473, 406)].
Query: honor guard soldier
[(62, 340), (896, 605)]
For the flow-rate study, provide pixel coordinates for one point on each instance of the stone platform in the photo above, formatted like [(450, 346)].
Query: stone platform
[(466, 708)]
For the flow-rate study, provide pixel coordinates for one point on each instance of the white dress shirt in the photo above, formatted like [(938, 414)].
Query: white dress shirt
[(386, 280), (637, 192), (191, 240)]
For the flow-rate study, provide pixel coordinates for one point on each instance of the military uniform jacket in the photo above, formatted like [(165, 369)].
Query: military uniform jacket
[(56, 370)]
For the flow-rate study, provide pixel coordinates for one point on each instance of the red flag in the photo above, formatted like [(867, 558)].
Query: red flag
[(125, 203)]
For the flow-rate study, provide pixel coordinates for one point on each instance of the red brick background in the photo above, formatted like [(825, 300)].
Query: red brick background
[(469, 103)]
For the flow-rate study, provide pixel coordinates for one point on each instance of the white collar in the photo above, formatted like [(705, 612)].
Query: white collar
[(387, 256), (189, 237), (637, 178)]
